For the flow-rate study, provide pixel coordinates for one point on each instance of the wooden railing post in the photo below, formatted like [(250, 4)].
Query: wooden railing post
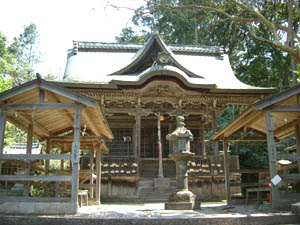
[(98, 174), (2, 135), (75, 156), (227, 173), (28, 151), (272, 158)]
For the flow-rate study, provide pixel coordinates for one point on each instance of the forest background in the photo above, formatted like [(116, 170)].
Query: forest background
[(259, 36)]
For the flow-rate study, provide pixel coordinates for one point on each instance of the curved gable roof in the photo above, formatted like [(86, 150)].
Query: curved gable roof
[(154, 45)]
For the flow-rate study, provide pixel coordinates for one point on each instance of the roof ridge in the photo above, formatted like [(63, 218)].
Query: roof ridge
[(137, 46)]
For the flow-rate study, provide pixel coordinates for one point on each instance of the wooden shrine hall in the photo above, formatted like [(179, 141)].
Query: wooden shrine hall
[(271, 119), (141, 88), (70, 124)]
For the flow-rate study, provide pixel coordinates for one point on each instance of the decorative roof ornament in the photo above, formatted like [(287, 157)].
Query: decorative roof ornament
[(164, 58), (75, 47)]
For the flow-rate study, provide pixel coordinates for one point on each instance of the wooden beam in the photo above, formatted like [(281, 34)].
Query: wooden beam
[(32, 199), (18, 90), (89, 120), (71, 138), (244, 138), (292, 176), (38, 128), (2, 135), (35, 178), (284, 108), (281, 129), (68, 93), (254, 119), (33, 106), (288, 156), (56, 99), (37, 157), (238, 124)]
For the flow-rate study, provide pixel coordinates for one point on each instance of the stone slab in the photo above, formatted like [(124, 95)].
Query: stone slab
[(45, 208), (179, 206)]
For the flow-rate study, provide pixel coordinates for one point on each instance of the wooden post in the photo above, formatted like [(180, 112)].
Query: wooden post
[(297, 134), (272, 158), (170, 130), (91, 176), (138, 140), (75, 156), (48, 147), (41, 96), (28, 151), (214, 127), (201, 141), (227, 173), (2, 135), (160, 167), (98, 174)]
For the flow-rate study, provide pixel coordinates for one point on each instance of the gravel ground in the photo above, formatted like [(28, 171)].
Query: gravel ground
[(157, 210)]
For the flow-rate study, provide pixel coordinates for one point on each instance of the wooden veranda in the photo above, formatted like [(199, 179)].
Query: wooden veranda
[(270, 119), (63, 118)]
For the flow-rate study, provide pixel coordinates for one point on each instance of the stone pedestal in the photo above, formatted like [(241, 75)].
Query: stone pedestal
[(182, 198)]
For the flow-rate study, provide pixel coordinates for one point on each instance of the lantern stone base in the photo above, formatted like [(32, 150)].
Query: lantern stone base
[(182, 200)]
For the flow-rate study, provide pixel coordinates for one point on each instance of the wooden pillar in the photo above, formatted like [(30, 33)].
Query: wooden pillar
[(75, 156), (272, 158), (170, 130), (28, 151), (297, 134), (227, 173), (92, 172), (201, 141), (2, 135), (215, 127), (98, 174), (160, 166), (137, 140), (48, 147)]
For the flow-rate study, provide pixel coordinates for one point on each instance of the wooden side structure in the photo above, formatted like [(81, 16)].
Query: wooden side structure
[(270, 120), (59, 116)]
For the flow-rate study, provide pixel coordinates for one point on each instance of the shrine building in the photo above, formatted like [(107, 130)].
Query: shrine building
[(141, 88)]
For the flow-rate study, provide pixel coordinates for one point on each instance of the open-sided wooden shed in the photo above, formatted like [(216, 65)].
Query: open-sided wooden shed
[(59, 116), (270, 119)]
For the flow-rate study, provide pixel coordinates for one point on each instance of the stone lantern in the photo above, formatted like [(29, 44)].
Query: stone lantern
[(182, 199)]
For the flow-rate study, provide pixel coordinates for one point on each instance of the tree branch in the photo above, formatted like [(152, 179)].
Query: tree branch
[(293, 52)]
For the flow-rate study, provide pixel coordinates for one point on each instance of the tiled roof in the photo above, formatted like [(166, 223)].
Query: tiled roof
[(136, 47)]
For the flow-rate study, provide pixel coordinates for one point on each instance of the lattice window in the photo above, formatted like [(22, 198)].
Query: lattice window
[(123, 142)]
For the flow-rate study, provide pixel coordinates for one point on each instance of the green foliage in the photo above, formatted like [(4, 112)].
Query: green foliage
[(16, 67), (128, 35), (251, 155), (24, 50)]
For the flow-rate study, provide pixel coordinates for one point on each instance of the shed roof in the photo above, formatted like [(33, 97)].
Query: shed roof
[(123, 63), (23, 102), (285, 112)]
